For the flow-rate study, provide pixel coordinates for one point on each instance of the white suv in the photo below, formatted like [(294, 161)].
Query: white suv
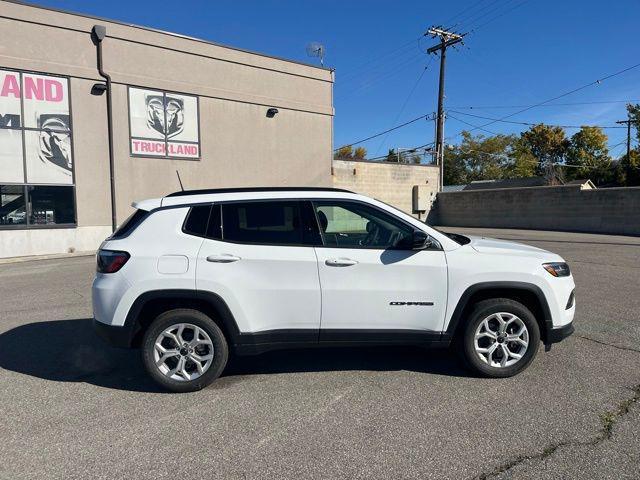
[(197, 274)]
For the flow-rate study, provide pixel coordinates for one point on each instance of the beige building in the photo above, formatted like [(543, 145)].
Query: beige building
[(409, 187), (178, 103)]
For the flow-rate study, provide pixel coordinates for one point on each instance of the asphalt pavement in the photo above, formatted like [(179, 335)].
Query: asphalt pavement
[(72, 407)]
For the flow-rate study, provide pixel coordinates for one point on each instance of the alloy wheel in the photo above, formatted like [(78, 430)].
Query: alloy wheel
[(501, 340), (183, 352)]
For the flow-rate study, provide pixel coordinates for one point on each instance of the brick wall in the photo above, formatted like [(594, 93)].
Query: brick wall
[(386, 181)]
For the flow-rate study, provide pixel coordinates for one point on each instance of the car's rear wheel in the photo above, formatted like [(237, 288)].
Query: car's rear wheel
[(500, 339), (184, 350)]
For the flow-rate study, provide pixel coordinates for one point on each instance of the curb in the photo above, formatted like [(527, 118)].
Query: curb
[(32, 258)]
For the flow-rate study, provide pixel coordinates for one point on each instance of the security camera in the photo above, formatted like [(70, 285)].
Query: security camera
[(272, 112)]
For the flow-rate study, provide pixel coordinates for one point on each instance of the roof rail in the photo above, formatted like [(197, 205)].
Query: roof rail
[(256, 189)]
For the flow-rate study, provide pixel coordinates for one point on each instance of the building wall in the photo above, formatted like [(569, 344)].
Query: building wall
[(239, 145), (563, 208), (390, 182)]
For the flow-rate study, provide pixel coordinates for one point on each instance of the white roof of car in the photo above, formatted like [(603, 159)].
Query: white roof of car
[(189, 197)]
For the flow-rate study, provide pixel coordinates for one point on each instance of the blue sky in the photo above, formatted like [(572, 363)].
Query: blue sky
[(528, 52)]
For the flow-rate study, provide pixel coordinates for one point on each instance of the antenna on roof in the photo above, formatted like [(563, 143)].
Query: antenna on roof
[(179, 180), (316, 49)]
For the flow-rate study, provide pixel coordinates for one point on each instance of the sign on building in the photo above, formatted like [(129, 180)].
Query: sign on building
[(35, 129), (163, 124)]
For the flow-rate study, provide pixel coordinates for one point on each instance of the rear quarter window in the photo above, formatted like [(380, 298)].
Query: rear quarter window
[(130, 224), (197, 220)]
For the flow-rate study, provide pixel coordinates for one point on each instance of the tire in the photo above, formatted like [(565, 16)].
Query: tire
[(209, 340), (485, 360)]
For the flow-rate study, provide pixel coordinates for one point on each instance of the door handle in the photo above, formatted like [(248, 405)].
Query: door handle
[(223, 258), (340, 262)]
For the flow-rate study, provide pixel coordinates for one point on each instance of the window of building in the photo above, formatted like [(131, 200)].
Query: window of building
[(12, 205), (353, 225), (269, 223), (36, 150), (163, 124)]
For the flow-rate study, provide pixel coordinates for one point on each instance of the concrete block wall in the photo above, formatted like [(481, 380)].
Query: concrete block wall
[(390, 182), (563, 208)]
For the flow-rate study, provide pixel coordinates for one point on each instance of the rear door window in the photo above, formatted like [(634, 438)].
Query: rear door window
[(266, 223)]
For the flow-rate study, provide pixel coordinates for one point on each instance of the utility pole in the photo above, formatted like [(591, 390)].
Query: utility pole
[(628, 122), (447, 39)]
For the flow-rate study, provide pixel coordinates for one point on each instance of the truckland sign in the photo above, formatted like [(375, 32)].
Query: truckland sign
[(35, 129), (163, 124)]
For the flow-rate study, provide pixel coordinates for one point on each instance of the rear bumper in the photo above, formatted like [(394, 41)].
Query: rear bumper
[(555, 335), (113, 335)]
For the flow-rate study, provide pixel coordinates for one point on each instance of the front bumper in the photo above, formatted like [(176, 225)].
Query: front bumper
[(555, 335), (113, 335)]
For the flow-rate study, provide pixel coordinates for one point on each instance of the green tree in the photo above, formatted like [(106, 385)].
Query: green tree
[(634, 116), (479, 158), (549, 146), (523, 162), (360, 153), (588, 149), (344, 153), (392, 156), (628, 170), (455, 170)]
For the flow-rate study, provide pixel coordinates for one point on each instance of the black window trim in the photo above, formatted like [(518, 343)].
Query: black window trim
[(311, 201)]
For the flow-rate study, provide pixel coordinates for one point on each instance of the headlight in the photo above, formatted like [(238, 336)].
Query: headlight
[(557, 269)]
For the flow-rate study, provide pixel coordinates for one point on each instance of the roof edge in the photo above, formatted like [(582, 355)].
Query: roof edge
[(164, 32)]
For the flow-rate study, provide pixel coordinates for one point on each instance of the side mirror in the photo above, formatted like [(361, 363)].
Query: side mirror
[(420, 240)]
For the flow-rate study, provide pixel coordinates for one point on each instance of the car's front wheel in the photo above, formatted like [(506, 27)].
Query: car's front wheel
[(501, 338), (184, 350)]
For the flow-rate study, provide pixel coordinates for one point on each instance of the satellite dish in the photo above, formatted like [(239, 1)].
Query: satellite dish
[(316, 49)]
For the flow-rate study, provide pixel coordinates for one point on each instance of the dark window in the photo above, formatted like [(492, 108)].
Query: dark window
[(130, 224), (12, 205), (270, 223), (354, 225), (51, 205), (215, 223), (197, 220)]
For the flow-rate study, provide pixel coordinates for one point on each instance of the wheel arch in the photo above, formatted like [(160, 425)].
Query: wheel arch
[(150, 304), (530, 295)]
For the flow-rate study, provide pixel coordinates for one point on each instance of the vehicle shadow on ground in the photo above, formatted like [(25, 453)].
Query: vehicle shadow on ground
[(70, 351)]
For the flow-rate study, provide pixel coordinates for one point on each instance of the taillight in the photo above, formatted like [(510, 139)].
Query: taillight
[(110, 261)]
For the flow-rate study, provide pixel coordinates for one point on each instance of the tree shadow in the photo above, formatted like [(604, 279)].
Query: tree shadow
[(70, 351)]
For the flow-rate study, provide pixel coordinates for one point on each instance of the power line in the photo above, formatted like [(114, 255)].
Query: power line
[(471, 125), (386, 131), (474, 20), (475, 29), (409, 150), (530, 123), (450, 19), (474, 15), (489, 107), (358, 69), (595, 82), (382, 76), (406, 101)]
